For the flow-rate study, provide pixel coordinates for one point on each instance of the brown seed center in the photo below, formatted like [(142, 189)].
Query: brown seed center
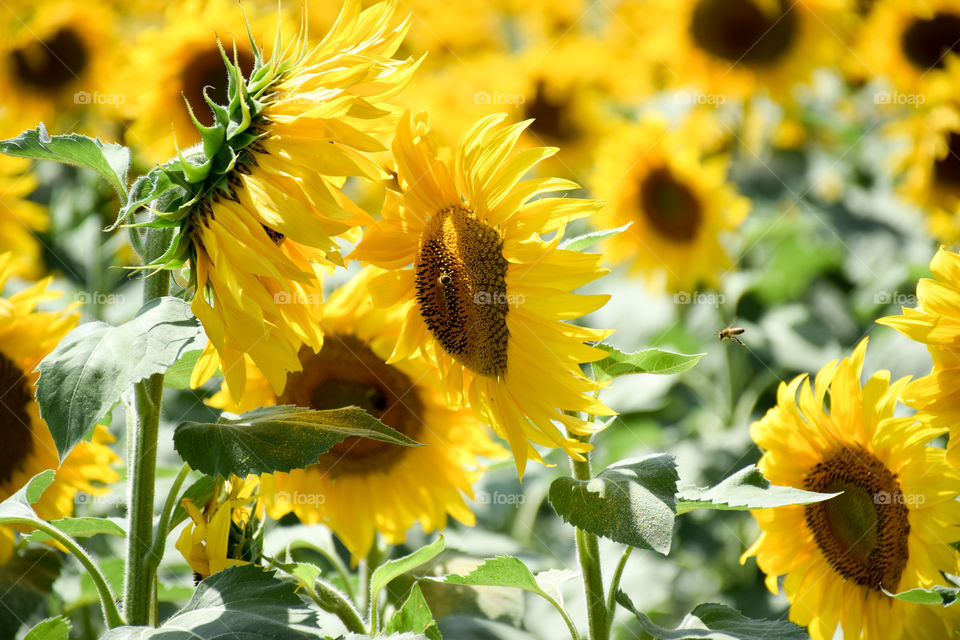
[(739, 31), (15, 396), (926, 42), (206, 69), (670, 206), (863, 533), (346, 372), (552, 119), (51, 64), (946, 170), (461, 289)]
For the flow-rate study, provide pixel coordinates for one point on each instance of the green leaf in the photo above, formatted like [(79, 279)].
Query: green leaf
[(717, 622), (632, 501), (643, 361), (745, 489), (502, 571), (414, 616), (81, 528), (50, 629), (386, 572), (17, 506), (580, 243), (232, 604), (83, 378), (199, 493), (277, 438), (936, 595), (178, 375), (106, 158)]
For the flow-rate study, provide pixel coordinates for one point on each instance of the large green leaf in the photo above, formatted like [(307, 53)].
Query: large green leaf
[(83, 378), (717, 622), (385, 573), (239, 602), (277, 438), (745, 489), (106, 158), (81, 528), (50, 629), (414, 616), (656, 361), (632, 501)]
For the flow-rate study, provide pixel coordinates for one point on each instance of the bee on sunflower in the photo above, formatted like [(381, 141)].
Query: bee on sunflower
[(26, 336), (361, 487), (889, 530), (260, 203), (484, 297)]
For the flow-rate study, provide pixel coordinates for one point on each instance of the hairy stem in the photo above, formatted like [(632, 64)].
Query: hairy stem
[(588, 550)]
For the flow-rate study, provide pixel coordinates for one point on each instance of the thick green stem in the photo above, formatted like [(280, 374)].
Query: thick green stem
[(588, 550), (160, 537), (373, 560), (330, 599), (142, 465), (110, 612)]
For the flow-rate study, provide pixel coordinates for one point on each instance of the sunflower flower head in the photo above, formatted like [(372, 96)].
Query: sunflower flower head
[(257, 207), (484, 295), (26, 336), (225, 532), (892, 525), (362, 487)]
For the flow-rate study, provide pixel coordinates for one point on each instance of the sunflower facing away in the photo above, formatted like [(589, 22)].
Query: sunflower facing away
[(936, 323), (26, 336), (363, 486), (678, 201), (484, 296), (890, 529), (267, 203)]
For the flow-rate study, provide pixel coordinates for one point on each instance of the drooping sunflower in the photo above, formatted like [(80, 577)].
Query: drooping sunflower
[(484, 296), (912, 43), (936, 323), (223, 533), (176, 60), (20, 218), (736, 47), (361, 487), (265, 204), (56, 59), (890, 529), (26, 336), (678, 200)]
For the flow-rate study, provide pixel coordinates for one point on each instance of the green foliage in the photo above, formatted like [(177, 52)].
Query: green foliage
[(50, 629), (936, 595), (18, 506), (278, 438), (579, 243), (414, 616), (632, 502), (656, 361), (717, 622), (199, 493), (81, 528), (385, 573), (233, 603), (83, 378), (745, 489), (178, 375)]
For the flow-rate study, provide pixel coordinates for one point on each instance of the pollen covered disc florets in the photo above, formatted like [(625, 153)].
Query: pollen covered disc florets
[(461, 289)]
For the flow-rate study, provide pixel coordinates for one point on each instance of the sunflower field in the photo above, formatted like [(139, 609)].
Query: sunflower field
[(608, 319)]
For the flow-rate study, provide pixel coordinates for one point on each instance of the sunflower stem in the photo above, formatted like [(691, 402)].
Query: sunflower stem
[(373, 560), (329, 598), (163, 527), (614, 586), (141, 574), (588, 550)]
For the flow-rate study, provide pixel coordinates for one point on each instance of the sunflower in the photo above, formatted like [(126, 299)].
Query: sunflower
[(176, 60), (936, 323), (20, 219), (56, 59), (265, 204), (913, 43), (891, 527), (484, 297), (735, 47), (26, 336), (362, 486), (224, 533), (678, 201)]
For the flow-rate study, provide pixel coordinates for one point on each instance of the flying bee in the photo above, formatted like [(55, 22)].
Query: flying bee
[(731, 333)]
